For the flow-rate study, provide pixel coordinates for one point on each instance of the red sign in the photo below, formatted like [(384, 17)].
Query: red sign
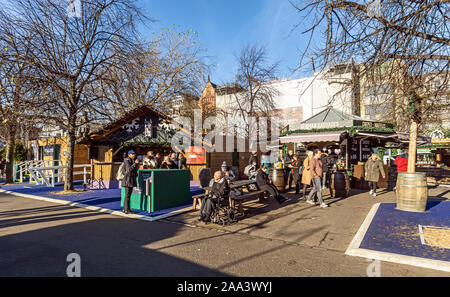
[(196, 155)]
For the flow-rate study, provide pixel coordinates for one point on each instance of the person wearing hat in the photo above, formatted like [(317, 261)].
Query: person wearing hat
[(228, 174), (129, 169)]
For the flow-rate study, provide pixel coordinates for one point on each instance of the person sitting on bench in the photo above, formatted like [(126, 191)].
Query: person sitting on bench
[(263, 182), (220, 189)]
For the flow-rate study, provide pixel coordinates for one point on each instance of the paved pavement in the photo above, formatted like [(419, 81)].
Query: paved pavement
[(294, 239)]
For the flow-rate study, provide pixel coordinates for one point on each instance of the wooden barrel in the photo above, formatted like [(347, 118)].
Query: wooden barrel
[(277, 177), (340, 183), (412, 191)]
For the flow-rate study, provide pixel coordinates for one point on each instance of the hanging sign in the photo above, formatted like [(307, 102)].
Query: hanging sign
[(196, 155)]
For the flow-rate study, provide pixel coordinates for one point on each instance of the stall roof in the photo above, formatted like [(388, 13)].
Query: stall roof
[(109, 128), (313, 137), (404, 137), (334, 118)]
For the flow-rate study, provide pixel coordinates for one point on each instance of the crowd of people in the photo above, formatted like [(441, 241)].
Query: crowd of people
[(315, 171), (129, 168), (170, 161)]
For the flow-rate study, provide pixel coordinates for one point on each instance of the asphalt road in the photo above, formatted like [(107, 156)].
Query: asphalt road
[(36, 237)]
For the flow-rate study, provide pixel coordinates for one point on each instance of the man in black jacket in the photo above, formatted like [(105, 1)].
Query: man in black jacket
[(129, 170), (220, 189), (288, 159), (262, 180)]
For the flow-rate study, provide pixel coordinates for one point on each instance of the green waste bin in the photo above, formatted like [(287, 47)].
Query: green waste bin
[(17, 176), (169, 188)]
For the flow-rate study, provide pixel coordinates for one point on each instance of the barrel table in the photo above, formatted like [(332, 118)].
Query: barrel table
[(340, 183), (277, 177), (412, 192)]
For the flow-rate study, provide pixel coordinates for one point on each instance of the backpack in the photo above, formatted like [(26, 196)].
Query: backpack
[(247, 170), (120, 174)]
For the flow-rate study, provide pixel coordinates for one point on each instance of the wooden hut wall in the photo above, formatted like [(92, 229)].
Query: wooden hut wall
[(100, 170), (80, 153)]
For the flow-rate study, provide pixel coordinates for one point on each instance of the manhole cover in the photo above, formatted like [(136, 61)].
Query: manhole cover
[(435, 236)]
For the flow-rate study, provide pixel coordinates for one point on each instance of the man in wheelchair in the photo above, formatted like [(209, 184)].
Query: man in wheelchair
[(211, 203)]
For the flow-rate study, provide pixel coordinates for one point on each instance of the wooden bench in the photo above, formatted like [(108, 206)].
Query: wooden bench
[(196, 199), (246, 197)]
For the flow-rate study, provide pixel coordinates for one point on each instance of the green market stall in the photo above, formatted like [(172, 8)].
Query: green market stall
[(160, 189)]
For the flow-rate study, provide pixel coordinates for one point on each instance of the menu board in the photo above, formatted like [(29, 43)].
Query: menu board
[(366, 150), (196, 155), (143, 175), (354, 151), (360, 150)]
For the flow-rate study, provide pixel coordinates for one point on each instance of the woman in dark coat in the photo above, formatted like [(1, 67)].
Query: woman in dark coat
[(181, 161), (168, 164), (296, 173)]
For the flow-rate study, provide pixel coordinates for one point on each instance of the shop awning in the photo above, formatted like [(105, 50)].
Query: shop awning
[(404, 137), (313, 137), (378, 135)]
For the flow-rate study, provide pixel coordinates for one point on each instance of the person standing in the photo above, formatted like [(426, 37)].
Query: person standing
[(306, 174), (315, 167), (263, 182), (181, 161), (158, 160), (174, 159), (296, 173), (373, 168), (265, 160), (326, 174), (402, 162), (288, 168), (253, 158), (168, 163), (129, 169), (149, 161)]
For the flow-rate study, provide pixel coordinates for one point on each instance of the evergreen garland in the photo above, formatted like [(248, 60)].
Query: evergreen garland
[(350, 130)]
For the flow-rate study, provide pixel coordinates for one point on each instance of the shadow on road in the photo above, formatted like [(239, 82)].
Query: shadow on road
[(107, 246)]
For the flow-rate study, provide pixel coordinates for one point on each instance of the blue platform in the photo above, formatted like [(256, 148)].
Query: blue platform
[(397, 232), (107, 198)]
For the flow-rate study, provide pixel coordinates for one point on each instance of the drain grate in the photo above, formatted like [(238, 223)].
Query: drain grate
[(435, 236)]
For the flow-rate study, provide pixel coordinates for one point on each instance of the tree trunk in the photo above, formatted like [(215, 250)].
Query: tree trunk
[(68, 184), (10, 141), (412, 147)]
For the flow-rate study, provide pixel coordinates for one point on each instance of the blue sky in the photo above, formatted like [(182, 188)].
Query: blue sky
[(224, 27)]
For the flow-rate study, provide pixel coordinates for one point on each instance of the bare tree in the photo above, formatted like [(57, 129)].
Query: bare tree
[(18, 97), (403, 45), (72, 51), (251, 93), (154, 73)]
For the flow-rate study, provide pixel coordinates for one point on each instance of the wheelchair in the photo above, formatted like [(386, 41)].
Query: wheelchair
[(222, 212)]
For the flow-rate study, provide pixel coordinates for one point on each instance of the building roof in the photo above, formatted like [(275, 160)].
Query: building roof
[(334, 118), (331, 114), (109, 128)]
